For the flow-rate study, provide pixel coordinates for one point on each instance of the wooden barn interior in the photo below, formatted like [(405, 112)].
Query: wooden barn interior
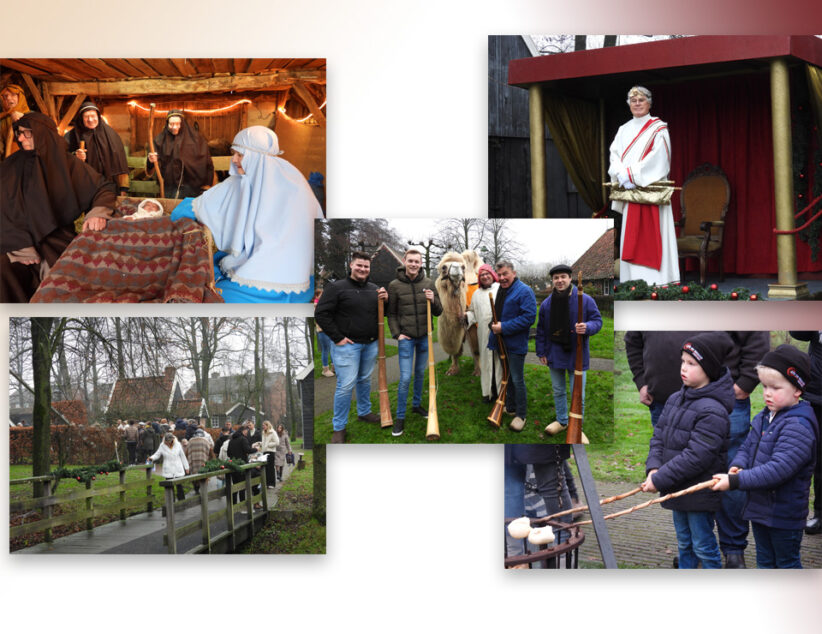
[(222, 96)]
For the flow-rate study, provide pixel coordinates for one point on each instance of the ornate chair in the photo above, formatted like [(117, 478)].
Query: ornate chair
[(704, 201)]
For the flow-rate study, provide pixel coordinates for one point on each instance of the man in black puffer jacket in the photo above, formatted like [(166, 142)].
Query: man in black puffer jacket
[(690, 441)]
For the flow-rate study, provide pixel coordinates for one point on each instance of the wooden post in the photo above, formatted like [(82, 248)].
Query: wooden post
[(249, 505), (536, 114), (204, 513), (787, 286), (150, 505), (89, 508), (47, 510), (229, 510), (123, 495), (603, 156), (170, 532), (264, 485)]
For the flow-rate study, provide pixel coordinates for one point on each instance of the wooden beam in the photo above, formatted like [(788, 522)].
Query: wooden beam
[(49, 101), (35, 93), (130, 87), (75, 106), (309, 101)]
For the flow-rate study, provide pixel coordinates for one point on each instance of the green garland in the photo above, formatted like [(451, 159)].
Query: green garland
[(216, 465), (88, 473), (633, 290)]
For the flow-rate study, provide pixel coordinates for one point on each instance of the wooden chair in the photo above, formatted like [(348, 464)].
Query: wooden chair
[(704, 201)]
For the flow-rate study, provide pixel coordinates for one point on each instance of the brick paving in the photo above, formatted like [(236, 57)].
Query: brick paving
[(646, 538)]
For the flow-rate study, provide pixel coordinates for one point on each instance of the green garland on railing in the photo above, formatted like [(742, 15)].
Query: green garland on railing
[(229, 465), (88, 473), (690, 291)]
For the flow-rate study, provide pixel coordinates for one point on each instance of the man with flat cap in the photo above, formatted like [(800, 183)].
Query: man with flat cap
[(557, 330)]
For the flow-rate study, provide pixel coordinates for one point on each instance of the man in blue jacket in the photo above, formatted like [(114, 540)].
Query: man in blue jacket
[(516, 307), (557, 330)]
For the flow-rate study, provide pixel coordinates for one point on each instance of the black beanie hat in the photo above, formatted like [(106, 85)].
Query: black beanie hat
[(710, 349), (791, 363)]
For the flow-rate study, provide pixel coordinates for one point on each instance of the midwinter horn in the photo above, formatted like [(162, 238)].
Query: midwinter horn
[(385, 403), (574, 433), (496, 413), (433, 431), (151, 149)]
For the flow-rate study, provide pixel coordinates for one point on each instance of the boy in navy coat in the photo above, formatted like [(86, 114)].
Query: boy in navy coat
[(775, 463)]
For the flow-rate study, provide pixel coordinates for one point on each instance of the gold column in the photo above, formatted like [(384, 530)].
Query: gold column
[(536, 115), (786, 286)]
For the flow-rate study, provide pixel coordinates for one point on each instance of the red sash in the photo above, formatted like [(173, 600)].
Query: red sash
[(642, 243)]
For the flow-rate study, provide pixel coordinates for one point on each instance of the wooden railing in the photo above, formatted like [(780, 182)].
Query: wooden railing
[(236, 531), (48, 502)]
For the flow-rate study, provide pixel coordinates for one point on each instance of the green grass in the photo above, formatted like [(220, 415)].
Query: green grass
[(462, 413), (19, 492), (601, 344), (292, 529)]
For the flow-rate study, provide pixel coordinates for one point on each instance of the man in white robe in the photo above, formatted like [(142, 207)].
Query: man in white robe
[(479, 312), (640, 156)]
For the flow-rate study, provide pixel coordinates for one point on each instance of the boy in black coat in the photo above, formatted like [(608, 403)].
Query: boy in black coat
[(689, 441)]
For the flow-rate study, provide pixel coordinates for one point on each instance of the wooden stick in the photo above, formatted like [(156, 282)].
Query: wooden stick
[(385, 403), (603, 502), (496, 413), (574, 434), (664, 498), (433, 431), (151, 149)]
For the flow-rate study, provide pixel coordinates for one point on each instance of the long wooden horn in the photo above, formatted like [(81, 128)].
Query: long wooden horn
[(496, 413), (385, 402), (151, 149), (433, 431), (574, 434)]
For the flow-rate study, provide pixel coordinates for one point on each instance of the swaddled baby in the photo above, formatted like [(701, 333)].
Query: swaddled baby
[(149, 208)]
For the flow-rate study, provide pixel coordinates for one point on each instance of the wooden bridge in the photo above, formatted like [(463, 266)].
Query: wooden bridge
[(209, 522)]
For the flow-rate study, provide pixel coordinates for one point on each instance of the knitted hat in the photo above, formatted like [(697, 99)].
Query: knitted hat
[(490, 269), (560, 268), (710, 349), (791, 363)]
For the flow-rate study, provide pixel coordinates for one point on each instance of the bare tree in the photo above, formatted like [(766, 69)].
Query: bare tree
[(499, 244)]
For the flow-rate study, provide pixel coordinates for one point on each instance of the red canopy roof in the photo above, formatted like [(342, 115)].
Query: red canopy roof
[(678, 59)]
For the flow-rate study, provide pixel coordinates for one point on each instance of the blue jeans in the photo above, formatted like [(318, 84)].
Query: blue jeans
[(516, 397), (777, 547), (407, 349), (732, 529), (656, 408), (353, 363), (560, 393), (551, 485), (696, 540), (325, 347)]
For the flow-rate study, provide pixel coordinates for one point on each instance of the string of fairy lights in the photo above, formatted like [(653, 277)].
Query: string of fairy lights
[(236, 104)]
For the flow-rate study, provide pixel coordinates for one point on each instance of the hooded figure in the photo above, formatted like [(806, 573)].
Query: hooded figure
[(12, 100), (262, 217), (184, 158), (43, 190), (103, 146)]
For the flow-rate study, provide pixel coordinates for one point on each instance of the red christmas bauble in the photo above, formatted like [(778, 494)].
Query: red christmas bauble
[(633, 288), (664, 286), (714, 287), (685, 289), (754, 297), (654, 296), (734, 295), (678, 283)]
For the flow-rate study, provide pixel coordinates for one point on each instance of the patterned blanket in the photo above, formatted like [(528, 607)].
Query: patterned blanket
[(153, 260)]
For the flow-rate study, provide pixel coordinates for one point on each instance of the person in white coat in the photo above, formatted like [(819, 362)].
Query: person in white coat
[(640, 156), (479, 312), (175, 464), (268, 445)]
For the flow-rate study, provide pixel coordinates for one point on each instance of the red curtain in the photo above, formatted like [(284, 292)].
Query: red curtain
[(727, 121)]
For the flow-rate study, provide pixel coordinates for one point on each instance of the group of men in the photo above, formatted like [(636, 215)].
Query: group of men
[(347, 313)]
